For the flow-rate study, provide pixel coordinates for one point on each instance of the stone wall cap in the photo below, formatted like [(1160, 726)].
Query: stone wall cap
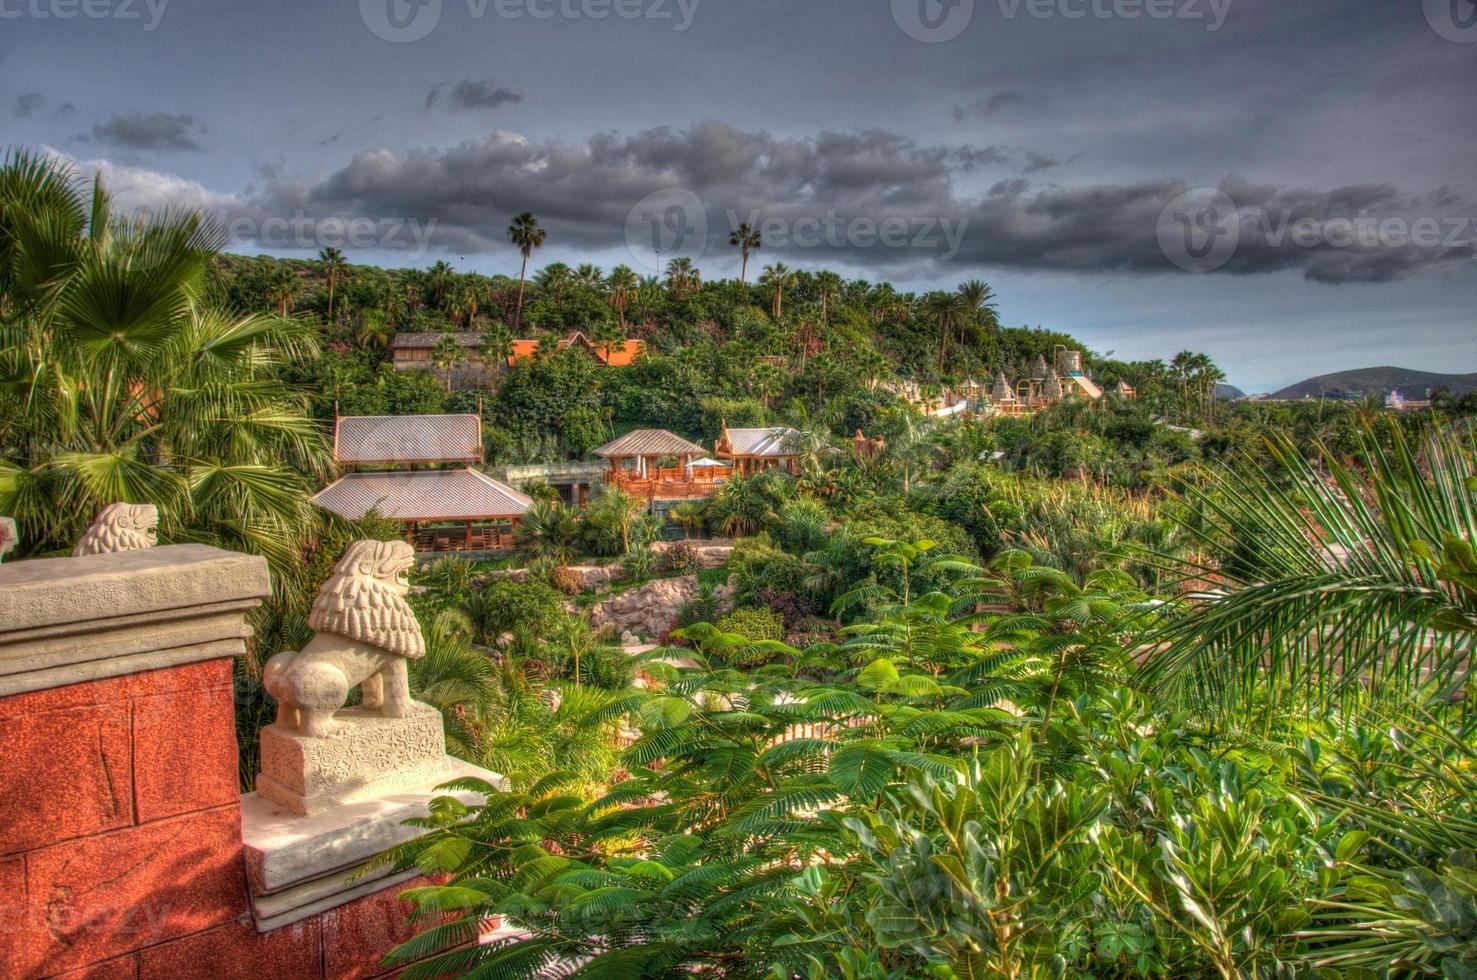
[(50, 592)]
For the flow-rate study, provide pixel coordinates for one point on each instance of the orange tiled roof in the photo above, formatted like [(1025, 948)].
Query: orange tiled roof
[(625, 357)]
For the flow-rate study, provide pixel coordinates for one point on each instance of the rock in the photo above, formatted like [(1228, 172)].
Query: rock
[(653, 609), (593, 578)]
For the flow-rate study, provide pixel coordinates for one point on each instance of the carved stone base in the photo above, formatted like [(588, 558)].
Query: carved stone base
[(298, 866), (366, 756)]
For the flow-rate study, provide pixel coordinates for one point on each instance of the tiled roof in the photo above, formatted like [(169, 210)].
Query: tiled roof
[(427, 495), (429, 339), (378, 440), (624, 357), (650, 442), (776, 441), (605, 353)]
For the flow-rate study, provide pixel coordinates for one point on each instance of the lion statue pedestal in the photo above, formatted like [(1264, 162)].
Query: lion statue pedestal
[(319, 754)]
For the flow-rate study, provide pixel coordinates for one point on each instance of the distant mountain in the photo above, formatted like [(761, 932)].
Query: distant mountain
[(1365, 382), (1228, 393)]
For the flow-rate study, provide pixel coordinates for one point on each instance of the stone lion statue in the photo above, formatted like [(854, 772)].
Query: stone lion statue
[(9, 537), (120, 527), (366, 634)]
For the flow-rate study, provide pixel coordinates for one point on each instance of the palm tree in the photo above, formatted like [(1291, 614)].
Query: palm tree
[(589, 276), (829, 283), (777, 278), (496, 345), (979, 304), (334, 266), (548, 532), (447, 355), (439, 281), (553, 279), (947, 310), (1183, 365), (622, 284), (682, 277), (374, 329), (283, 285), (1364, 578), (526, 234), (129, 386), (747, 240)]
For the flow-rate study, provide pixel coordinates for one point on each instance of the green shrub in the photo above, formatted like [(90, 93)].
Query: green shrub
[(522, 608), (753, 623)]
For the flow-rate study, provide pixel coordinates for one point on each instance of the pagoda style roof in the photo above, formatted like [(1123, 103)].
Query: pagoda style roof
[(426, 495), (388, 440), (774, 442), (649, 443)]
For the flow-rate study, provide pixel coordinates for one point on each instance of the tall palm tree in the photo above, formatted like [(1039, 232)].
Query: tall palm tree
[(946, 310), (1364, 578), (334, 266), (777, 278), (526, 235), (120, 382), (1183, 366), (622, 283), (746, 240)]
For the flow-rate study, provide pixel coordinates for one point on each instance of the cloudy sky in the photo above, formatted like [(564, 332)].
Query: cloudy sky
[(1287, 186)]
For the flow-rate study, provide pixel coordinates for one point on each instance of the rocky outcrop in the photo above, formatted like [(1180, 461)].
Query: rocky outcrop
[(652, 609), (710, 552)]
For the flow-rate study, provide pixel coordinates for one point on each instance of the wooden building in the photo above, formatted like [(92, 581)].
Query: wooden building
[(659, 465), (753, 450), (444, 503)]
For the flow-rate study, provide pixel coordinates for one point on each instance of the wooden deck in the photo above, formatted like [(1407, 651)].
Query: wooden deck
[(666, 483)]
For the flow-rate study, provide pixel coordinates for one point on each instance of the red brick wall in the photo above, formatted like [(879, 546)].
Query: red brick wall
[(120, 842)]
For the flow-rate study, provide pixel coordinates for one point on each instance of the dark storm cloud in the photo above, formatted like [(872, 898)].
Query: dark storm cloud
[(990, 106), (149, 131), (35, 103), (1036, 162), (584, 193), (468, 95)]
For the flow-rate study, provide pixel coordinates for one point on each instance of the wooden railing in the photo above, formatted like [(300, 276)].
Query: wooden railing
[(459, 539), (666, 483)]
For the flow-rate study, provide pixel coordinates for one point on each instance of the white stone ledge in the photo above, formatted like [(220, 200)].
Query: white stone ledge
[(284, 849), (299, 866), (68, 620)]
